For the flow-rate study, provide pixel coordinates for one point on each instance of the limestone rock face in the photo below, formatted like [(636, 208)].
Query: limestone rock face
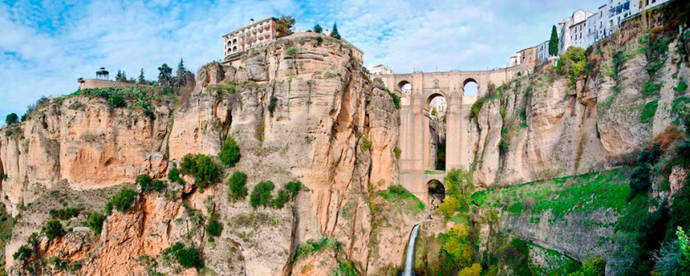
[(299, 109)]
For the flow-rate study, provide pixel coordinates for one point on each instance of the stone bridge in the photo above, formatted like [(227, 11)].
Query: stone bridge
[(418, 90)]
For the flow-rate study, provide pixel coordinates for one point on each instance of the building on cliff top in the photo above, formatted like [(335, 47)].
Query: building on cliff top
[(254, 34), (380, 70), (102, 80)]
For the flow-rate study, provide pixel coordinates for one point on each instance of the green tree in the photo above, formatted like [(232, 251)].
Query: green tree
[(122, 201), (53, 229), (280, 200), (284, 25), (334, 32), (96, 222), (293, 188), (237, 186), (230, 154), (214, 228), (261, 195), (141, 80), (164, 75), (11, 118), (318, 29), (553, 42), (179, 75), (459, 246)]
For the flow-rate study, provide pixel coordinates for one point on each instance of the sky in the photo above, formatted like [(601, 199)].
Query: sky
[(45, 46)]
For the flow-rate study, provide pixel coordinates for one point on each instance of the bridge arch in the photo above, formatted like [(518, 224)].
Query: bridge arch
[(405, 87), (470, 87), (436, 191)]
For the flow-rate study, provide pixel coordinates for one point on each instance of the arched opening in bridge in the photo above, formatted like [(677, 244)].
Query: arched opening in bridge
[(436, 193), (405, 87), (436, 112), (471, 88)]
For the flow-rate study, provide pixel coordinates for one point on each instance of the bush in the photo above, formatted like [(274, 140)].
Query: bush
[(291, 52), (397, 151), (280, 200), (272, 105), (573, 63), (174, 175), (11, 119), (65, 213), (53, 229), (396, 99), (23, 253), (366, 144), (593, 266), (201, 167), (474, 270), (459, 246), (230, 154), (146, 184), (117, 100), (639, 180), (648, 112), (651, 88), (122, 201), (293, 188), (681, 87), (237, 186), (186, 257), (679, 210), (96, 222), (318, 29), (214, 228), (261, 195)]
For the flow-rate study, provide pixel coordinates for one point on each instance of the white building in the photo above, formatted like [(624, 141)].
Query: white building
[(249, 36), (570, 30), (380, 70), (543, 51)]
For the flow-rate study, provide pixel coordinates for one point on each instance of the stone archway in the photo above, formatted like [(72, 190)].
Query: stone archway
[(436, 192), (435, 132), (470, 87), (405, 87)]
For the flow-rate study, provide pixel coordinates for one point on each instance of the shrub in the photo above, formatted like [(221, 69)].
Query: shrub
[(146, 184), (117, 100), (214, 228), (318, 29), (681, 87), (272, 105), (651, 88), (648, 112), (459, 246), (65, 213), (261, 195), (96, 222), (474, 270), (397, 151), (230, 154), (122, 201), (679, 210), (395, 98), (11, 119), (593, 266), (639, 180), (186, 257), (280, 200), (366, 144), (291, 52), (23, 253), (53, 229), (201, 167), (573, 63), (174, 175), (293, 187), (237, 188)]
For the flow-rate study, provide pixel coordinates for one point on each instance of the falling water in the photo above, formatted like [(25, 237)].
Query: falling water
[(409, 260)]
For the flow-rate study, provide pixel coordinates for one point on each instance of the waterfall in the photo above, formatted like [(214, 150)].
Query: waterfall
[(409, 258)]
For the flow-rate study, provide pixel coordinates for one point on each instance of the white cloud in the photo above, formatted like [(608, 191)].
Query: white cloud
[(46, 46)]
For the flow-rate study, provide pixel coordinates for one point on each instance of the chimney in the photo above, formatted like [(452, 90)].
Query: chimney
[(251, 21)]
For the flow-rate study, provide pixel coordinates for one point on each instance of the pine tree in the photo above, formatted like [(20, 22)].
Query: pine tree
[(180, 73), (164, 75), (142, 80), (118, 76), (553, 42), (334, 32), (318, 29)]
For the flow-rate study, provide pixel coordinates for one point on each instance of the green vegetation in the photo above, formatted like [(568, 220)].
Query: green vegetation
[(366, 144), (146, 184), (65, 213), (174, 175), (187, 257), (318, 29), (291, 52), (648, 111), (562, 195), (553, 42), (682, 86), (459, 188), (651, 88), (395, 97), (11, 119), (459, 247), (477, 105), (656, 53), (230, 154), (397, 151), (293, 187), (122, 201), (313, 247), (96, 222), (279, 201), (272, 104), (237, 186), (261, 195), (401, 196), (574, 64), (334, 32), (214, 228), (593, 266), (53, 229), (118, 97), (201, 167)]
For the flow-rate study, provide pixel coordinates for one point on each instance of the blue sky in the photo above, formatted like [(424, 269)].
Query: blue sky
[(45, 46)]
